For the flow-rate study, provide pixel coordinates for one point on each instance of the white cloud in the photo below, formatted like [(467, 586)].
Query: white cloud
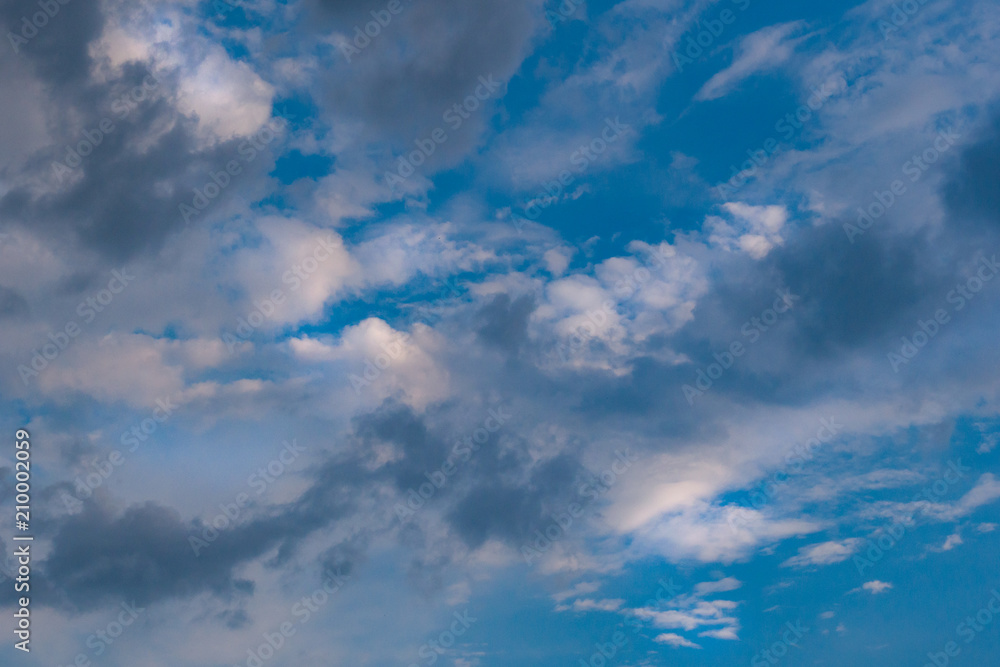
[(876, 587), (720, 586), (693, 612), (378, 361), (582, 588), (228, 97), (765, 49), (824, 553), (754, 230), (675, 640), (951, 542), (593, 605)]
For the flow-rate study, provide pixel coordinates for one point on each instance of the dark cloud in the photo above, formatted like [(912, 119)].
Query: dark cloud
[(973, 192), (427, 59), (58, 51), (505, 322), (12, 304)]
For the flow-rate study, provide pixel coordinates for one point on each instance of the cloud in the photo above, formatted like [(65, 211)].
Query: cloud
[(582, 588), (721, 586), (692, 612), (824, 553), (765, 49), (876, 587), (755, 230), (671, 639), (951, 542), (592, 605)]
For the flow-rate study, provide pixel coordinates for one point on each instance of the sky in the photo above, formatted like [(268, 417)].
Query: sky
[(479, 334)]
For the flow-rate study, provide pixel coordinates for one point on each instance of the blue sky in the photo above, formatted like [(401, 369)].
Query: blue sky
[(530, 333)]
